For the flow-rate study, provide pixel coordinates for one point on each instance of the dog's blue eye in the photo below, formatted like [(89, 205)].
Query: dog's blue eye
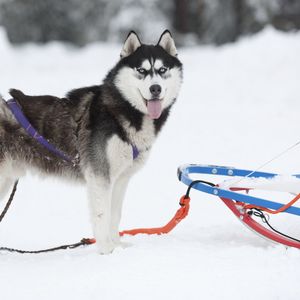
[(162, 70), (141, 70)]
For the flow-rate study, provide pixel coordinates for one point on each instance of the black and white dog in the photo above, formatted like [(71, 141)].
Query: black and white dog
[(108, 128)]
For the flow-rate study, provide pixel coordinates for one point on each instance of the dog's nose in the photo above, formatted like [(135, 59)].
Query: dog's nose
[(155, 90)]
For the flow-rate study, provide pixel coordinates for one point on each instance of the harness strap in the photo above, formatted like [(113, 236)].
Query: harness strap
[(135, 151), (16, 110)]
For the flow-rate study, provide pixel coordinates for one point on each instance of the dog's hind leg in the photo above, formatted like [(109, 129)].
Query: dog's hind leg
[(6, 178), (10, 171), (5, 186)]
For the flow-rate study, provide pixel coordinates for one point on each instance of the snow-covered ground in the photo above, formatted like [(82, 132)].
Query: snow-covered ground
[(239, 106)]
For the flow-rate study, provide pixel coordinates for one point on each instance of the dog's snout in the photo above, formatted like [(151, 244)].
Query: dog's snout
[(155, 90)]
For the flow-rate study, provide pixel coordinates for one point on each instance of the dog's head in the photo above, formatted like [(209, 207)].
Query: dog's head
[(149, 76)]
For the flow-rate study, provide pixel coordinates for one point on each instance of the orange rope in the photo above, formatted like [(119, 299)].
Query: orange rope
[(181, 213), (281, 209)]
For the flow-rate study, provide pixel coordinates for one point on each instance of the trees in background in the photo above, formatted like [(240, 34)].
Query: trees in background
[(218, 22), (192, 21)]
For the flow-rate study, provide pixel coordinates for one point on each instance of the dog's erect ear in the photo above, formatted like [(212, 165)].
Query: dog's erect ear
[(131, 44), (167, 43)]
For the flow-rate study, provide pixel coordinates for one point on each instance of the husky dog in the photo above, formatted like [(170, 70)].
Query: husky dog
[(109, 129)]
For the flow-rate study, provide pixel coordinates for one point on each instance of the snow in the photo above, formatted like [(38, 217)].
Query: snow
[(281, 183), (239, 106)]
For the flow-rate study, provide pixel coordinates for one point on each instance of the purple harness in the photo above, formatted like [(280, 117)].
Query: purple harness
[(23, 121)]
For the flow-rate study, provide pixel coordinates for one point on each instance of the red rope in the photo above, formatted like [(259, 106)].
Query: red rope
[(279, 210), (181, 213)]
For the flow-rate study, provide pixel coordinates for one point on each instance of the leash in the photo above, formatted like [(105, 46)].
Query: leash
[(83, 242)]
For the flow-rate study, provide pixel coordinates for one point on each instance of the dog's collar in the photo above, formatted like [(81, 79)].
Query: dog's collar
[(16, 110)]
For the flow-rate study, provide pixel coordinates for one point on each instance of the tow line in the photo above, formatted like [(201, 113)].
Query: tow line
[(236, 198)]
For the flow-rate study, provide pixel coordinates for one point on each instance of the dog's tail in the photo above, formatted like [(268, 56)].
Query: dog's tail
[(5, 112), (17, 94), (2, 105)]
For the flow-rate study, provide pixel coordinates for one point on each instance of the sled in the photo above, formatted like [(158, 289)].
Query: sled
[(235, 195)]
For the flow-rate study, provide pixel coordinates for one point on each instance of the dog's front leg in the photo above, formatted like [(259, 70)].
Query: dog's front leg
[(118, 157), (100, 193), (118, 195)]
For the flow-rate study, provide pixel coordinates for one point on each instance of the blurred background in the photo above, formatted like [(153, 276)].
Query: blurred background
[(239, 106), (192, 22)]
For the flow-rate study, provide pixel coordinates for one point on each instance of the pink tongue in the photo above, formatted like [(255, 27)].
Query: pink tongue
[(154, 108)]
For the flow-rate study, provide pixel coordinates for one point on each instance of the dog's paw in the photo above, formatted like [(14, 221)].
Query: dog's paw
[(124, 245), (107, 248), (117, 241)]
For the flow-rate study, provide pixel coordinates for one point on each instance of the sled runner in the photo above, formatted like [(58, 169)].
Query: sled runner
[(235, 195)]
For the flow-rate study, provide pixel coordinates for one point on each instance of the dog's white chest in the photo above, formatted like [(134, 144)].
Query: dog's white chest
[(143, 138)]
